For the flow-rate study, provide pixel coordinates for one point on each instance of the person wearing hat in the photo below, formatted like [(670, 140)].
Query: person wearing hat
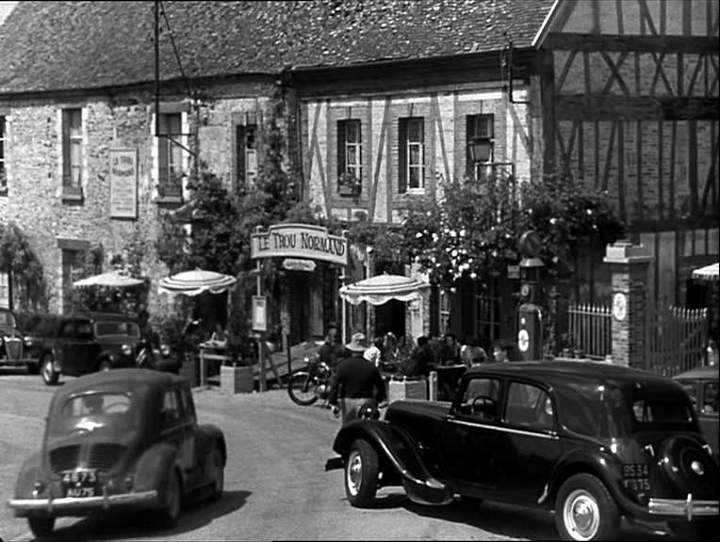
[(356, 381)]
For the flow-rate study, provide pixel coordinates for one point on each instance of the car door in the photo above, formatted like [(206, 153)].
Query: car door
[(177, 427), (470, 434), (79, 349), (528, 445)]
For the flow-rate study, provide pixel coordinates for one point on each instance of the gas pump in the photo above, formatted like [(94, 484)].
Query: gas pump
[(530, 324)]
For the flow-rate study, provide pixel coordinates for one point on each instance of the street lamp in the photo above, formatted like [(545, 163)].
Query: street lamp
[(480, 150)]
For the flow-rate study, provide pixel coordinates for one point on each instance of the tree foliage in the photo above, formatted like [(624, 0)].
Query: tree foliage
[(18, 259)]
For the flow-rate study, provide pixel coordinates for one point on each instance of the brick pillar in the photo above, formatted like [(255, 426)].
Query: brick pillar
[(629, 269)]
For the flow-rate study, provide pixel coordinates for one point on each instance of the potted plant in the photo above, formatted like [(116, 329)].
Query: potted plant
[(236, 375), (349, 185)]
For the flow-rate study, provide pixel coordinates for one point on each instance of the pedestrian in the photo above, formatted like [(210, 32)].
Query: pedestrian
[(504, 351), (471, 353), (449, 350), (373, 353), (331, 351), (390, 350), (421, 357), (356, 381)]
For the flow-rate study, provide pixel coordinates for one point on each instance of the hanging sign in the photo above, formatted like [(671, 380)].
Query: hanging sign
[(123, 183), (259, 313), (299, 241), (4, 291)]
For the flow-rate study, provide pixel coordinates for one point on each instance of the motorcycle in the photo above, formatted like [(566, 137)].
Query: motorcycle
[(312, 382)]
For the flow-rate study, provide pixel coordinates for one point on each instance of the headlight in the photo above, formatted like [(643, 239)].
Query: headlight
[(164, 349), (27, 341), (126, 349)]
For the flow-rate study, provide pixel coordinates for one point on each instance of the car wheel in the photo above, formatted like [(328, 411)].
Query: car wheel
[(49, 374), (33, 368), (41, 527), (361, 474), (173, 501), (105, 365), (585, 510), (218, 476)]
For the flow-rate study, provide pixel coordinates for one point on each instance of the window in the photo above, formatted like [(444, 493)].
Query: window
[(710, 398), (170, 155), (171, 413), (349, 155), (412, 154), (246, 166), (480, 142), (480, 398), (72, 143), (72, 267), (3, 171), (529, 406)]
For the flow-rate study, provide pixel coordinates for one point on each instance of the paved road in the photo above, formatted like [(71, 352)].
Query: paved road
[(276, 487)]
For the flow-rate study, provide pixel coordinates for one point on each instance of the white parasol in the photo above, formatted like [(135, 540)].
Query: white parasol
[(709, 272), (112, 279), (382, 288), (196, 282)]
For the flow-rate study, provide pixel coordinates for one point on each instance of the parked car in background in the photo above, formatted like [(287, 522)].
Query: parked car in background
[(13, 350), (120, 439), (701, 384), (592, 441)]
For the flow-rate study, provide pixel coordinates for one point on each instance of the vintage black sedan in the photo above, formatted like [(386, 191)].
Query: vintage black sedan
[(120, 439), (591, 441)]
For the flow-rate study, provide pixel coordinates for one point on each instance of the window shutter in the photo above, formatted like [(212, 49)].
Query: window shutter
[(402, 156), (240, 156), (67, 174), (340, 148)]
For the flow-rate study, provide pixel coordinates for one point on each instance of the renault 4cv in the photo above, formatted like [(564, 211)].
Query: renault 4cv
[(120, 439), (592, 442)]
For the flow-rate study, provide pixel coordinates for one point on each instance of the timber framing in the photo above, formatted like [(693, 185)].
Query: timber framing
[(620, 43), (606, 107)]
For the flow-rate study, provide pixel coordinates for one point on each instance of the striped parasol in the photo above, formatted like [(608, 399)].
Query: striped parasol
[(709, 273), (382, 288), (196, 282)]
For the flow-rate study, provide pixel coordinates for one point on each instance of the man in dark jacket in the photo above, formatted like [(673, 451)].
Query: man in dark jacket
[(331, 351), (418, 364), (356, 381)]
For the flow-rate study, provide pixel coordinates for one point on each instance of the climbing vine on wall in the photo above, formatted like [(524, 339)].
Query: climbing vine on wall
[(19, 261)]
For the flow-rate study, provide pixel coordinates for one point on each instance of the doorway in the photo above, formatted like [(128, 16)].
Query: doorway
[(390, 316)]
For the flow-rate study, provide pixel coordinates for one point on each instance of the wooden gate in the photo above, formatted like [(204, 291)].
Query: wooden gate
[(676, 339), (589, 329)]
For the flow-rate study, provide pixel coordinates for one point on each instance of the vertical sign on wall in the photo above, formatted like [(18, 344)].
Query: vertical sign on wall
[(123, 183), (259, 313), (4, 291)]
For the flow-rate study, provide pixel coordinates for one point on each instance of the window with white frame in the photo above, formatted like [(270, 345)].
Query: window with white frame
[(170, 154), (3, 171), (72, 144), (349, 154), (246, 166), (411, 131)]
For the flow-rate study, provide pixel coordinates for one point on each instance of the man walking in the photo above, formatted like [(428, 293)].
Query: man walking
[(356, 381)]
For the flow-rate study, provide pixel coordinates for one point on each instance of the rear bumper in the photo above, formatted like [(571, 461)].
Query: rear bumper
[(687, 508), (74, 504), (4, 362)]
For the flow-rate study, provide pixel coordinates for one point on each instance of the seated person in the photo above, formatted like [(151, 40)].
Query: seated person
[(219, 338)]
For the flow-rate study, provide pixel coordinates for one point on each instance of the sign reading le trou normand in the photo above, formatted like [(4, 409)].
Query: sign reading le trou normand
[(299, 241)]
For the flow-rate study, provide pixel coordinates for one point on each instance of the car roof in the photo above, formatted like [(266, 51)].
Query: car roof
[(707, 372), (95, 316), (560, 372), (124, 378)]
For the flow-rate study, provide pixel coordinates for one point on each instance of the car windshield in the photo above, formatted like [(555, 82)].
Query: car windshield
[(90, 411), (7, 319), (117, 328)]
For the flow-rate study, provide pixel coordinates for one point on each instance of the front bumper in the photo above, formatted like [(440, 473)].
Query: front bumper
[(687, 508), (70, 504)]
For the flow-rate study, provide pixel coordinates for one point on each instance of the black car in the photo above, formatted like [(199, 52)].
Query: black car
[(591, 441), (126, 439), (13, 348), (701, 384)]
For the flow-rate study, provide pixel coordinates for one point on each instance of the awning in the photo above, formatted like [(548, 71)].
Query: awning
[(111, 279), (196, 282), (382, 288), (709, 272)]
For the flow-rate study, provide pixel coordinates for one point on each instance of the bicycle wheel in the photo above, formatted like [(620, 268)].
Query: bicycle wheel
[(302, 388)]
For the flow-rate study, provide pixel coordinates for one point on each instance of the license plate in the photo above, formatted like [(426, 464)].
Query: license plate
[(79, 483)]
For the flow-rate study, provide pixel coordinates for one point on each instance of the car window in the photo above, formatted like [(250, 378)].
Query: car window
[(97, 404), (7, 319), (710, 398), (83, 330), (691, 389), (480, 398), (116, 328), (171, 413), (89, 411), (187, 402), (656, 411), (529, 406)]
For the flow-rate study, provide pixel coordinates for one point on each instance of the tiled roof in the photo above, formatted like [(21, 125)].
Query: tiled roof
[(74, 45)]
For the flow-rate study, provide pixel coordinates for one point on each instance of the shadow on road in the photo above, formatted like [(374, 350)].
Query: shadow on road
[(500, 519), (133, 525)]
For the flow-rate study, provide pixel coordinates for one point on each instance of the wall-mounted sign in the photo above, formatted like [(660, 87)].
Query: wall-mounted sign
[(299, 241), (123, 183), (619, 306), (292, 264), (513, 271), (259, 313)]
